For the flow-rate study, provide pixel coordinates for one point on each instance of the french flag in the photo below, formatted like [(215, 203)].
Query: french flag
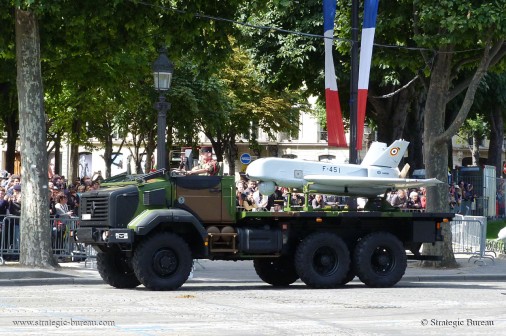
[(335, 127), (368, 29)]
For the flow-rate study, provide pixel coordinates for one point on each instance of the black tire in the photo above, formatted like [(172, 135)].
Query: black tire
[(380, 260), (116, 270), (279, 272), (322, 260), (162, 261), (349, 276)]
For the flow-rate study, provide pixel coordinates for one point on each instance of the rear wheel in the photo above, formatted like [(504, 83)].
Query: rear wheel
[(349, 276), (116, 270), (279, 272), (380, 259), (162, 261), (322, 260)]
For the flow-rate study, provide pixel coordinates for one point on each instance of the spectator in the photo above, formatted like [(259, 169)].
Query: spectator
[(239, 194), (54, 191), (86, 181), (318, 202), (252, 187), (14, 180), (95, 185), (15, 201), (4, 204), (249, 201), (423, 197), (276, 197), (414, 201), (72, 199), (61, 207), (297, 200), (261, 201), (400, 200), (57, 182)]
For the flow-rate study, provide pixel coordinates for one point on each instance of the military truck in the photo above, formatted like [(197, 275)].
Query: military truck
[(149, 229)]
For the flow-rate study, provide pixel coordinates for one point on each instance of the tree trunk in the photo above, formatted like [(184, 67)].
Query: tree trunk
[(9, 115), (475, 150), (436, 155), (74, 163), (74, 151), (496, 139), (413, 132), (57, 155), (12, 135), (35, 250)]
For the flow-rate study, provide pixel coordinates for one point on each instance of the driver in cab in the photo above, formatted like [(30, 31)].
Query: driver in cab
[(207, 166)]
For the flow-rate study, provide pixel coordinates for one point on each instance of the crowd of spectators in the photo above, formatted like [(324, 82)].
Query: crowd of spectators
[(249, 198), (63, 204), (63, 196), (462, 197), (413, 199)]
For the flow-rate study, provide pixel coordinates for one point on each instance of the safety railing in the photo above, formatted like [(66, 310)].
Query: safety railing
[(63, 245), (469, 236)]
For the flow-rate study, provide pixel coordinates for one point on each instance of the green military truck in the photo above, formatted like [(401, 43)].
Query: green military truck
[(148, 230)]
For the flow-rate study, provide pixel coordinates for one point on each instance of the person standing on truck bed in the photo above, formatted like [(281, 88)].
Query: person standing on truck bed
[(207, 166)]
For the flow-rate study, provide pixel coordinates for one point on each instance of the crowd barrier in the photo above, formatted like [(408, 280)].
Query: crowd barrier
[(64, 246), (469, 236)]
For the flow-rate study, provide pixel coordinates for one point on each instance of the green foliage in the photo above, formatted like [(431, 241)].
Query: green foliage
[(476, 127), (493, 228)]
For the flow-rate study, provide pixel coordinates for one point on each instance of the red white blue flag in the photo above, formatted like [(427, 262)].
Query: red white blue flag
[(335, 127), (368, 29)]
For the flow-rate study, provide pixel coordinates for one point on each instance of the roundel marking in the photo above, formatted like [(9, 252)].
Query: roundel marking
[(394, 151)]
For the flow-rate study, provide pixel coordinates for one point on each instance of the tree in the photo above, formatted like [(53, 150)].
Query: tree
[(35, 247), (449, 27), (473, 132)]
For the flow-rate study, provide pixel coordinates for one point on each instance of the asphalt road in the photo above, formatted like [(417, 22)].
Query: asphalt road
[(246, 306)]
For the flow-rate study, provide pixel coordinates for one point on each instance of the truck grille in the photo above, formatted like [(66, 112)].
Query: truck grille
[(96, 206)]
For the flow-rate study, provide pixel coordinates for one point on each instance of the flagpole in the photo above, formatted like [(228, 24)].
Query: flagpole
[(354, 83)]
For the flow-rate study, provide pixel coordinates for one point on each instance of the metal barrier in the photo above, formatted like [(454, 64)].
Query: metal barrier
[(469, 235), (10, 241), (63, 245)]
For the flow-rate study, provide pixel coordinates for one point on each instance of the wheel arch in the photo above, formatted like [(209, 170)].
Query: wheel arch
[(178, 221)]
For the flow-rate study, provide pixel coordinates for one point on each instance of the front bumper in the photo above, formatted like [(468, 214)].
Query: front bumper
[(103, 235)]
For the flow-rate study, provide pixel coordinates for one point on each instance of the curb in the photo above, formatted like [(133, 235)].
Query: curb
[(460, 277), (50, 281)]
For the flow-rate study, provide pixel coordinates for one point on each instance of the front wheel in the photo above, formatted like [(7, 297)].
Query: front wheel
[(380, 259), (116, 270), (162, 261), (322, 260), (279, 272)]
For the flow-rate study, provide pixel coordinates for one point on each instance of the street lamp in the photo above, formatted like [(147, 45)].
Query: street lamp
[(162, 73)]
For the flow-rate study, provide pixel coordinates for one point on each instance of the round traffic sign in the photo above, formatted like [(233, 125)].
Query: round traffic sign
[(245, 158)]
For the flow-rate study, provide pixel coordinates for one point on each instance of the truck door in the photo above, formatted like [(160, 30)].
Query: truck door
[(202, 196)]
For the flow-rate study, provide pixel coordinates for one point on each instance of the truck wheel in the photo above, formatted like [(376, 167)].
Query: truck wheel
[(279, 272), (162, 261), (116, 270), (322, 260), (380, 259), (349, 276)]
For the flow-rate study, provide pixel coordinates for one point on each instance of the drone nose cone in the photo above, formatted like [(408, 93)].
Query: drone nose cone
[(255, 169)]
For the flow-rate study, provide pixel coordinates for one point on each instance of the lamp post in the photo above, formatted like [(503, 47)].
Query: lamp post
[(162, 73)]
